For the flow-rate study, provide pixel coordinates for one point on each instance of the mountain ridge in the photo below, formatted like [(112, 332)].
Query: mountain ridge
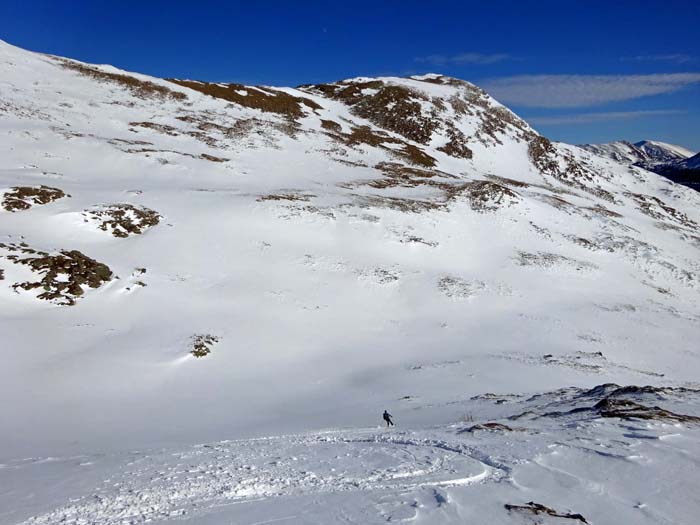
[(672, 161)]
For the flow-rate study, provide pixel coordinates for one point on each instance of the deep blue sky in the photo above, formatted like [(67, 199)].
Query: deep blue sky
[(623, 53)]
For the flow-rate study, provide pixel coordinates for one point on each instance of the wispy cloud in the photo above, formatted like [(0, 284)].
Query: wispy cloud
[(464, 58), (570, 91), (587, 118), (674, 58)]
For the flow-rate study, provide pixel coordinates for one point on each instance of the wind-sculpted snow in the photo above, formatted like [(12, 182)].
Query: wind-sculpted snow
[(237, 261)]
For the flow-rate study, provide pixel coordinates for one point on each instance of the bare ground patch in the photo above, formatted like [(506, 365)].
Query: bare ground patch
[(62, 275), (21, 198), (536, 509), (286, 196), (122, 220), (262, 98), (139, 88), (201, 344)]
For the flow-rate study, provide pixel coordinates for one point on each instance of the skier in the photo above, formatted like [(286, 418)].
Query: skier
[(387, 417)]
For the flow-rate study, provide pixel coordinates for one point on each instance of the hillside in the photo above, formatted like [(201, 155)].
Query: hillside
[(184, 262)]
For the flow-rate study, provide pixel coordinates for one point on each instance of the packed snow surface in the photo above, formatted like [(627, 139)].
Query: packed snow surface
[(197, 279)]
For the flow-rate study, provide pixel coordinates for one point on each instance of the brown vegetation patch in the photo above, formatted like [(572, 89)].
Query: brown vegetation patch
[(122, 219), (118, 142), (543, 155), (405, 176), (201, 344), (160, 128), (210, 133), (369, 136), (294, 197), (602, 210), (349, 93), (398, 109), (24, 197), (139, 88), (265, 99), (212, 158), (395, 108), (331, 125), (400, 204), (456, 145), (379, 138), (63, 274), (508, 182), (415, 155), (495, 120), (537, 509)]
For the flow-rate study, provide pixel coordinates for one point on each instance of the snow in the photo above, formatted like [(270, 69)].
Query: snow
[(655, 147), (331, 302), (576, 463)]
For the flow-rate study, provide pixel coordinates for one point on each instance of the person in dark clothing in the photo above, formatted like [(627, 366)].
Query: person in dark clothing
[(387, 417)]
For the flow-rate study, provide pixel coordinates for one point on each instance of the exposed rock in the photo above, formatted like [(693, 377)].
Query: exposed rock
[(24, 197), (202, 343), (627, 409), (122, 220), (537, 509), (491, 426), (62, 274)]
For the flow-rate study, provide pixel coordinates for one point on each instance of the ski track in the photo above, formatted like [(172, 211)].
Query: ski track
[(454, 473), (177, 484)]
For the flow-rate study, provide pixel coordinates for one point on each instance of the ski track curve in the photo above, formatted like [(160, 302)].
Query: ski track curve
[(185, 483)]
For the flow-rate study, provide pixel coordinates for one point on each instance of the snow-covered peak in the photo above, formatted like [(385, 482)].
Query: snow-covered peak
[(662, 151)]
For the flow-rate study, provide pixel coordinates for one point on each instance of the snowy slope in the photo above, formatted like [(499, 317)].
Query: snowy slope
[(188, 263), (620, 151)]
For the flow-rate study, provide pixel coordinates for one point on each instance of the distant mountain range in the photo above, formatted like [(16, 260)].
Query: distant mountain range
[(672, 161)]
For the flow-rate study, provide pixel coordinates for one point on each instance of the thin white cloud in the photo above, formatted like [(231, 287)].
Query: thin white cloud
[(464, 58), (587, 118), (570, 91), (675, 58)]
